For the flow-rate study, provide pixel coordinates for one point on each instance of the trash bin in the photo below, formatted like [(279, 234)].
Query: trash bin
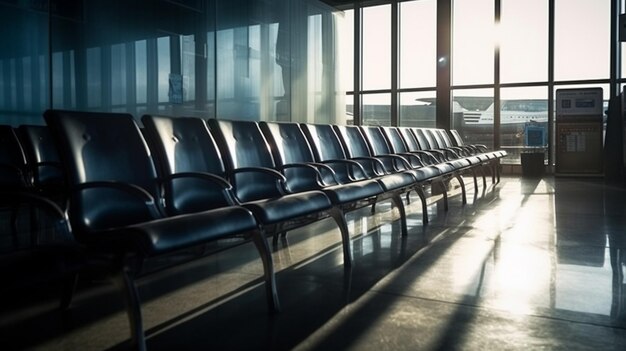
[(532, 164)]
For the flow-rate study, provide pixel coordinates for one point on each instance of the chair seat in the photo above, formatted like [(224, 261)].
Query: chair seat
[(459, 163), (284, 208), (425, 173), (346, 193), (175, 233), (396, 181)]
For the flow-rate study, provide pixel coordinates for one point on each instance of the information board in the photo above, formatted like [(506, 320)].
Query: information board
[(579, 131)]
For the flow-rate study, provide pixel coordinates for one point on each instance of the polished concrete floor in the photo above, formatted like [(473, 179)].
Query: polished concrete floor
[(529, 264)]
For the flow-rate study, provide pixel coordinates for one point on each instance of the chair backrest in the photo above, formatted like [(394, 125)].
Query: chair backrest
[(42, 156), (436, 135), (456, 137), (409, 139), (376, 140), (288, 142), (12, 160), (243, 145), (424, 140), (433, 140), (290, 146), (104, 147), (180, 145), (353, 141), (326, 146), (394, 137), (325, 142), (445, 138)]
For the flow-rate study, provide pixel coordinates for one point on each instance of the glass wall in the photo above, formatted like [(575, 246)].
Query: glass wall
[(473, 37), (24, 63), (417, 71), (243, 59), (582, 39), (477, 112)]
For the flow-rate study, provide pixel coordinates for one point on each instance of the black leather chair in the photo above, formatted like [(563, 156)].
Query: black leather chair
[(13, 170), (328, 148), (432, 138), (479, 150), (42, 159), (36, 245), (294, 157), (115, 203), (260, 187)]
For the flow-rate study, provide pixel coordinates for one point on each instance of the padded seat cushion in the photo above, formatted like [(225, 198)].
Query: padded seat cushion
[(174, 233), (345, 193), (459, 163), (425, 173), (288, 207), (396, 181)]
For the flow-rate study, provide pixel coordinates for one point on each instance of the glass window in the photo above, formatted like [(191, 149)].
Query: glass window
[(345, 46), (163, 50), (57, 82), (375, 109), (523, 47), (94, 78), (582, 39), (472, 42), (345, 69), (118, 74), (188, 67), (141, 71), (418, 109), (418, 44), (523, 120), (476, 112), (376, 57)]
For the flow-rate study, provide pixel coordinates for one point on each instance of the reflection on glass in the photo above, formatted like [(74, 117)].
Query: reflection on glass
[(163, 58), (188, 68), (523, 48), (418, 109), (345, 46), (475, 108), (375, 109), (582, 39), (94, 78), (118, 74), (141, 71), (473, 42), (418, 46)]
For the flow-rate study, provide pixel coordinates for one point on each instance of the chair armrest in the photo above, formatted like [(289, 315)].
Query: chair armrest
[(267, 183), (212, 180), (62, 233), (305, 176), (124, 204), (350, 165)]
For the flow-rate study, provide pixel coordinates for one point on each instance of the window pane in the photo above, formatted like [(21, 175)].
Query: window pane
[(472, 42), (345, 70), (476, 106), (376, 109), (582, 39), (345, 36), (418, 44), (118, 74), (523, 120), (418, 109), (163, 49), (523, 48), (376, 47)]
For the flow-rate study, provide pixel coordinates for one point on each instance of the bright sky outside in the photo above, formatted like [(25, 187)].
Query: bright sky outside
[(582, 47)]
